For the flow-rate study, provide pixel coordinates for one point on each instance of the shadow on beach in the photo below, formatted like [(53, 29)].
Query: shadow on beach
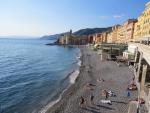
[(95, 109), (92, 109), (119, 102), (105, 107)]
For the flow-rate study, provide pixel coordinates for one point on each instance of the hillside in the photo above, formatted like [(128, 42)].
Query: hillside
[(87, 31), (90, 31), (50, 37)]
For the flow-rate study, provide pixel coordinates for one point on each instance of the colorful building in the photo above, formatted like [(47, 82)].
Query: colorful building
[(120, 35), (130, 30), (91, 39), (125, 32), (146, 23), (100, 38), (142, 27), (112, 35)]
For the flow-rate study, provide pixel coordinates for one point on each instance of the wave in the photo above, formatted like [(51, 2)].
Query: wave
[(46, 108), (74, 76), (72, 79)]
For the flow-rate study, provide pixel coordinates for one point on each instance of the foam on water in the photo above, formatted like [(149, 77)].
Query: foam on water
[(45, 109), (72, 79), (74, 76)]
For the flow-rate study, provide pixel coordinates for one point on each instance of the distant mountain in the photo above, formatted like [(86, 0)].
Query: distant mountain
[(51, 37), (89, 31), (18, 37)]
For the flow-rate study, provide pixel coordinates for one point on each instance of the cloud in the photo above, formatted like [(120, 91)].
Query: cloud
[(118, 16), (103, 17), (113, 16)]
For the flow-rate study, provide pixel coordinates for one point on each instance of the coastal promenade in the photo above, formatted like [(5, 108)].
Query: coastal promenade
[(145, 49), (103, 75)]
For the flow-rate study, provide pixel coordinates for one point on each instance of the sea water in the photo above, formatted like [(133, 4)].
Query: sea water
[(33, 75)]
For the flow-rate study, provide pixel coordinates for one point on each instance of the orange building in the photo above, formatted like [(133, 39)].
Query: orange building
[(130, 30), (126, 31), (100, 38)]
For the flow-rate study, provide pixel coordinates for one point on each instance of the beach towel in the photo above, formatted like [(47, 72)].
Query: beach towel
[(111, 94), (106, 101)]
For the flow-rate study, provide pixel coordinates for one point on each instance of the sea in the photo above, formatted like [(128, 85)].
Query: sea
[(33, 75)]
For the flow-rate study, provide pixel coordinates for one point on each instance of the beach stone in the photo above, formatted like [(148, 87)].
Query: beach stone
[(115, 79)]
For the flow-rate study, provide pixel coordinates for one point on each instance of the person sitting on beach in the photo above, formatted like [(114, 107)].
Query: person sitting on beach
[(89, 86), (128, 93), (100, 80), (82, 101), (105, 93)]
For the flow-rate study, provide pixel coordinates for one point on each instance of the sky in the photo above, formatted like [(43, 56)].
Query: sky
[(47, 17)]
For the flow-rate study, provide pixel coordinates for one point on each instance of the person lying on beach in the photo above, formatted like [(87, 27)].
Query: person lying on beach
[(100, 80), (89, 88), (106, 102), (82, 101), (90, 84)]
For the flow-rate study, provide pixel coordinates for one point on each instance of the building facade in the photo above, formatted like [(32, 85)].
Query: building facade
[(112, 35), (125, 32), (120, 35), (142, 27), (129, 34), (98, 38)]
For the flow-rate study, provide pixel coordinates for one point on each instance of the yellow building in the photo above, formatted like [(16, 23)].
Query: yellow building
[(146, 23), (139, 27), (136, 31), (112, 35), (142, 27), (120, 35), (109, 37)]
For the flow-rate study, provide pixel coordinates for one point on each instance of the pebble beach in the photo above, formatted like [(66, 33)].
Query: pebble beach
[(95, 76)]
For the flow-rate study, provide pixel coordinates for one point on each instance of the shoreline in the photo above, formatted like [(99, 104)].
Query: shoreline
[(72, 77), (66, 92), (92, 69)]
